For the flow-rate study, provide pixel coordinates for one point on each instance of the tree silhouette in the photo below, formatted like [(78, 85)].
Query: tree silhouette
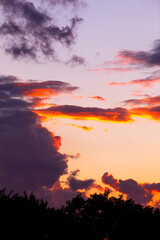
[(99, 217)]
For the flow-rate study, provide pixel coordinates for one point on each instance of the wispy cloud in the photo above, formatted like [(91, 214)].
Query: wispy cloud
[(145, 82), (150, 101), (141, 58), (99, 98), (29, 31), (85, 128)]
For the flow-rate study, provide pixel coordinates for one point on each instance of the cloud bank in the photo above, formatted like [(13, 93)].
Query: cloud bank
[(140, 193)]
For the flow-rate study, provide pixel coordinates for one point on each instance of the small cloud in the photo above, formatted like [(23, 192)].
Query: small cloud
[(99, 98), (76, 184), (76, 61), (85, 128)]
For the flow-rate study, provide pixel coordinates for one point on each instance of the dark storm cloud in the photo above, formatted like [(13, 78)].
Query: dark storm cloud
[(76, 184), (28, 158), (30, 31), (151, 58), (29, 153), (138, 192)]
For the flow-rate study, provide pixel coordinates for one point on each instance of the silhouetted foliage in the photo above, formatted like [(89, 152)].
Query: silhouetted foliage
[(97, 218)]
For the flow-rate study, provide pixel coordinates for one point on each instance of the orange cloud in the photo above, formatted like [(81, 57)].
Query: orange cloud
[(41, 92), (146, 82), (150, 101), (111, 69), (147, 112), (81, 127), (119, 115), (56, 141), (43, 89), (98, 98), (98, 187)]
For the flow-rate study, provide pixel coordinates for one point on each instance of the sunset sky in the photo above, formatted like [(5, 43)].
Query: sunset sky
[(79, 98)]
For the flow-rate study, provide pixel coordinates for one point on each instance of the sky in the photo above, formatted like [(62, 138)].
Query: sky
[(79, 98)]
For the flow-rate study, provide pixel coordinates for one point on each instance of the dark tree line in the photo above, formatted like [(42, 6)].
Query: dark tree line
[(96, 218)]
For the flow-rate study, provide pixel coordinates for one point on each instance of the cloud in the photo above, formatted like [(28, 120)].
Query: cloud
[(150, 107), (87, 113), (143, 58), (29, 31), (150, 101), (29, 157), (109, 70), (76, 61), (106, 130), (110, 180), (98, 187), (76, 184), (130, 188), (99, 98), (29, 153), (58, 194), (44, 89), (148, 112), (68, 2), (14, 92), (146, 82), (75, 157), (85, 128)]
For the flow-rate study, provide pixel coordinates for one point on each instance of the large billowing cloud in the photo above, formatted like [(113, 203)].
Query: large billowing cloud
[(29, 30), (29, 153), (140, 193)]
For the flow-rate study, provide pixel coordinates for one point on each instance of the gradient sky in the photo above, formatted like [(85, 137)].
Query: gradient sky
[(105, 107)]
